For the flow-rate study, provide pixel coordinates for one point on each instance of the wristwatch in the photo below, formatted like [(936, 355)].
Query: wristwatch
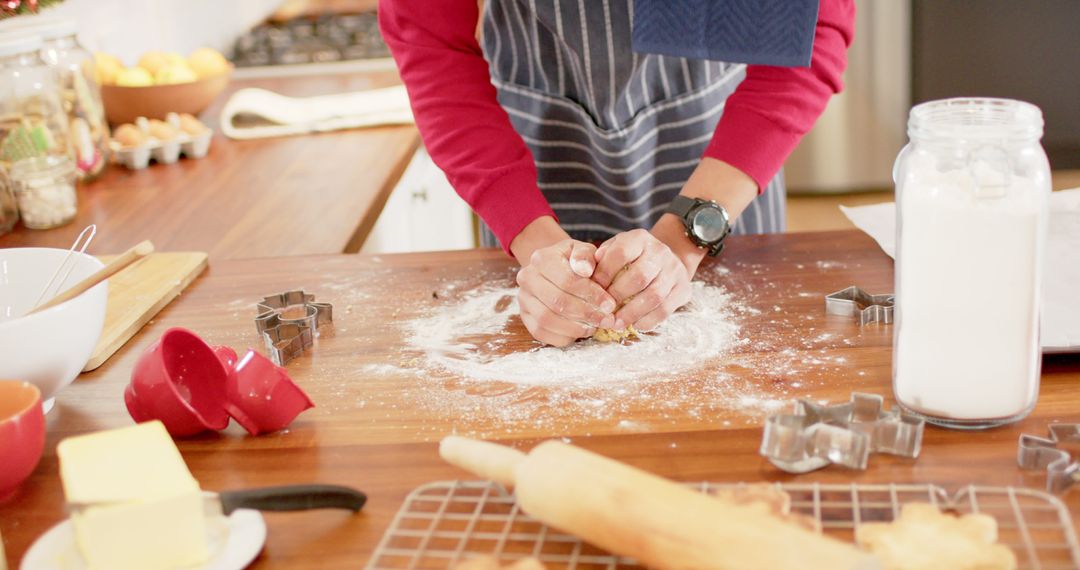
[(707, 223)]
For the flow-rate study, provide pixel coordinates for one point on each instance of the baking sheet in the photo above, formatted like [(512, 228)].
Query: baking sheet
[(1061, 282)]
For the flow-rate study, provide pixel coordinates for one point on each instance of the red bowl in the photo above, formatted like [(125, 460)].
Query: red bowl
[(22, 434), (262, 397), (180, 381), (226, 355)]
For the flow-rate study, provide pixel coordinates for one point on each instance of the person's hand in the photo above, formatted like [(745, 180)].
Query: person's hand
[(644, 276), (559, 301)]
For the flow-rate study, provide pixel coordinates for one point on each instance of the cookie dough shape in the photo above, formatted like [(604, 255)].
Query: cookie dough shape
[(613, 335), (492, 563), (924, 538), (768, 499)]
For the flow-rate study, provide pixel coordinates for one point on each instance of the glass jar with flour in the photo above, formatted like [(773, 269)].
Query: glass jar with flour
[(972, 189)]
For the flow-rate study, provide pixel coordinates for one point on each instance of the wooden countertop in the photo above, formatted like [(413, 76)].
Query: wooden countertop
[(313, 194), (376, 423)]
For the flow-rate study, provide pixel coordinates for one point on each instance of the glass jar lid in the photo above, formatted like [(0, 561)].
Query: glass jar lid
[(49, 28), (42, 167), (975, 118), (18, 43)]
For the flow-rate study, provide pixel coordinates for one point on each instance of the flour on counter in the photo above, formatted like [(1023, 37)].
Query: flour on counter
[(465, 359), (463, 339)]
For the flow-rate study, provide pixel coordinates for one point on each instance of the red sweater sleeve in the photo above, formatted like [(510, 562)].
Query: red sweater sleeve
[(465, 130), (774, 107)]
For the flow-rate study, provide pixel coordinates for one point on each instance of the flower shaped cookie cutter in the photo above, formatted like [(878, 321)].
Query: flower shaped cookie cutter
[(1035, 452), (866, 308), (818, 435), (287, 335)]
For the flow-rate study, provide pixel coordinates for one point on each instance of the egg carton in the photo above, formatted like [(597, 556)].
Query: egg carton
[(162, 151)]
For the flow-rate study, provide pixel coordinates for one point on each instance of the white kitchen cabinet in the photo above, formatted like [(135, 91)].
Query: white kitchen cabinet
[(423, 213)]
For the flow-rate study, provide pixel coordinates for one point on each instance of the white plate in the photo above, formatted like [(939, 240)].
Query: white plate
[(234, 541)]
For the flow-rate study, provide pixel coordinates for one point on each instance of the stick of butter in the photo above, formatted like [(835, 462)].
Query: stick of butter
[(143, 509)]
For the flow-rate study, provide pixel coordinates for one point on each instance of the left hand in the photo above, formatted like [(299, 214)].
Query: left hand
[(653, 285)]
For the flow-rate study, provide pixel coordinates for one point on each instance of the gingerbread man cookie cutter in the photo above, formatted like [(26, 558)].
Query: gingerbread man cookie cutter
[(864, 307), (287, 337), (817, 435), (1035, 452)]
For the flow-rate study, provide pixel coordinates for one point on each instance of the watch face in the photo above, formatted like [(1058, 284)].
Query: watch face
[(709, 224)]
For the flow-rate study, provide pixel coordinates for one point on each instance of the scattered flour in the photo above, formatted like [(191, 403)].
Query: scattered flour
[(831, 265), (465, 358), (464, 339), (382, 369)]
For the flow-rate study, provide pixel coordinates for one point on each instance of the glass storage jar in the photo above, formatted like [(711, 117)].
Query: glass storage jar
[(9, 209), (80, 94), (972, 192), (45, 191), (34, 135)]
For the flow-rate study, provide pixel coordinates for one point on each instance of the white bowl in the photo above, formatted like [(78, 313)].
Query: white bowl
[(47, 349)]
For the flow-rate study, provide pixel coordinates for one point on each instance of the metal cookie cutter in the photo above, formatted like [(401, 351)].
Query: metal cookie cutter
[(288, 337), (1041, 453), (866, 308), (816, 435)]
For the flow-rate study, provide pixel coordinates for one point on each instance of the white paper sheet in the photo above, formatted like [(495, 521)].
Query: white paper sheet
[(1061, 282)]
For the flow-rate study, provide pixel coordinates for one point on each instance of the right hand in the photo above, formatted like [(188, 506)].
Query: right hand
[(559, 301)]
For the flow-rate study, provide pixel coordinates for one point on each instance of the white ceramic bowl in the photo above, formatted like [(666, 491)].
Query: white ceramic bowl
[(50, 348)]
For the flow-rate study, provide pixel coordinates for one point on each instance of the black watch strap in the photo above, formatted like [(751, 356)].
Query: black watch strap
[(681, 206)]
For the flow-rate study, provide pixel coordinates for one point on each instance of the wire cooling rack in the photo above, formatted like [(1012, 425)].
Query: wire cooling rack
[(443, 523)]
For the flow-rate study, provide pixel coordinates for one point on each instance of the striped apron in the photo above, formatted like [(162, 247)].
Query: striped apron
[(615, 134)]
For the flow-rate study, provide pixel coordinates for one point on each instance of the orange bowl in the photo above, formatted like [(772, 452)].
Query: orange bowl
[(22, 434), (125, 104)]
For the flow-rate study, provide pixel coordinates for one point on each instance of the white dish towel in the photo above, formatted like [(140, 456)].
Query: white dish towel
[(1061, 281), (257, 113)]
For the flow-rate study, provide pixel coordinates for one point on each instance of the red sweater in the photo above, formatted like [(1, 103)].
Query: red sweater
[(434, 44)]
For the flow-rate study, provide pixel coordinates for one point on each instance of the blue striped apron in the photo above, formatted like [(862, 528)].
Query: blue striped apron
[(615, 134)]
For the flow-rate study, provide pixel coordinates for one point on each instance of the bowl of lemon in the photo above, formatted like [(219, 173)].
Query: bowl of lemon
[(160, 83)]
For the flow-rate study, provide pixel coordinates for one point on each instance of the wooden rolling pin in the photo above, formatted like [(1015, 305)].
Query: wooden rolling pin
[(658, 522)]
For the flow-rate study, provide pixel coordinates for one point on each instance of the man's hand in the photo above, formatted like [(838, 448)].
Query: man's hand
[(659, 264), (644, 276), (559, 301)]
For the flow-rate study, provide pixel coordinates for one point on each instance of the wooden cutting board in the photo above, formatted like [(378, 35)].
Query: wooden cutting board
[(139, 292)]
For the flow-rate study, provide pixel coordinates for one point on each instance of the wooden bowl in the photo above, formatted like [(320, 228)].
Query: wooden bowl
[(125, 104)]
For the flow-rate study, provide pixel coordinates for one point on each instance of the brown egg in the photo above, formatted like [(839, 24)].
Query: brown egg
[(190, 125), (162, 131), (128, 135)]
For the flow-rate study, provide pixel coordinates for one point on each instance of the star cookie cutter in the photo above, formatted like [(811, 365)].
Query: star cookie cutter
[(287, 337), (866, 308), (1036, 452), (817, 435)]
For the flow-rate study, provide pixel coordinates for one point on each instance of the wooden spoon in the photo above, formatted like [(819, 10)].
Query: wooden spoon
[(120, 262)]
